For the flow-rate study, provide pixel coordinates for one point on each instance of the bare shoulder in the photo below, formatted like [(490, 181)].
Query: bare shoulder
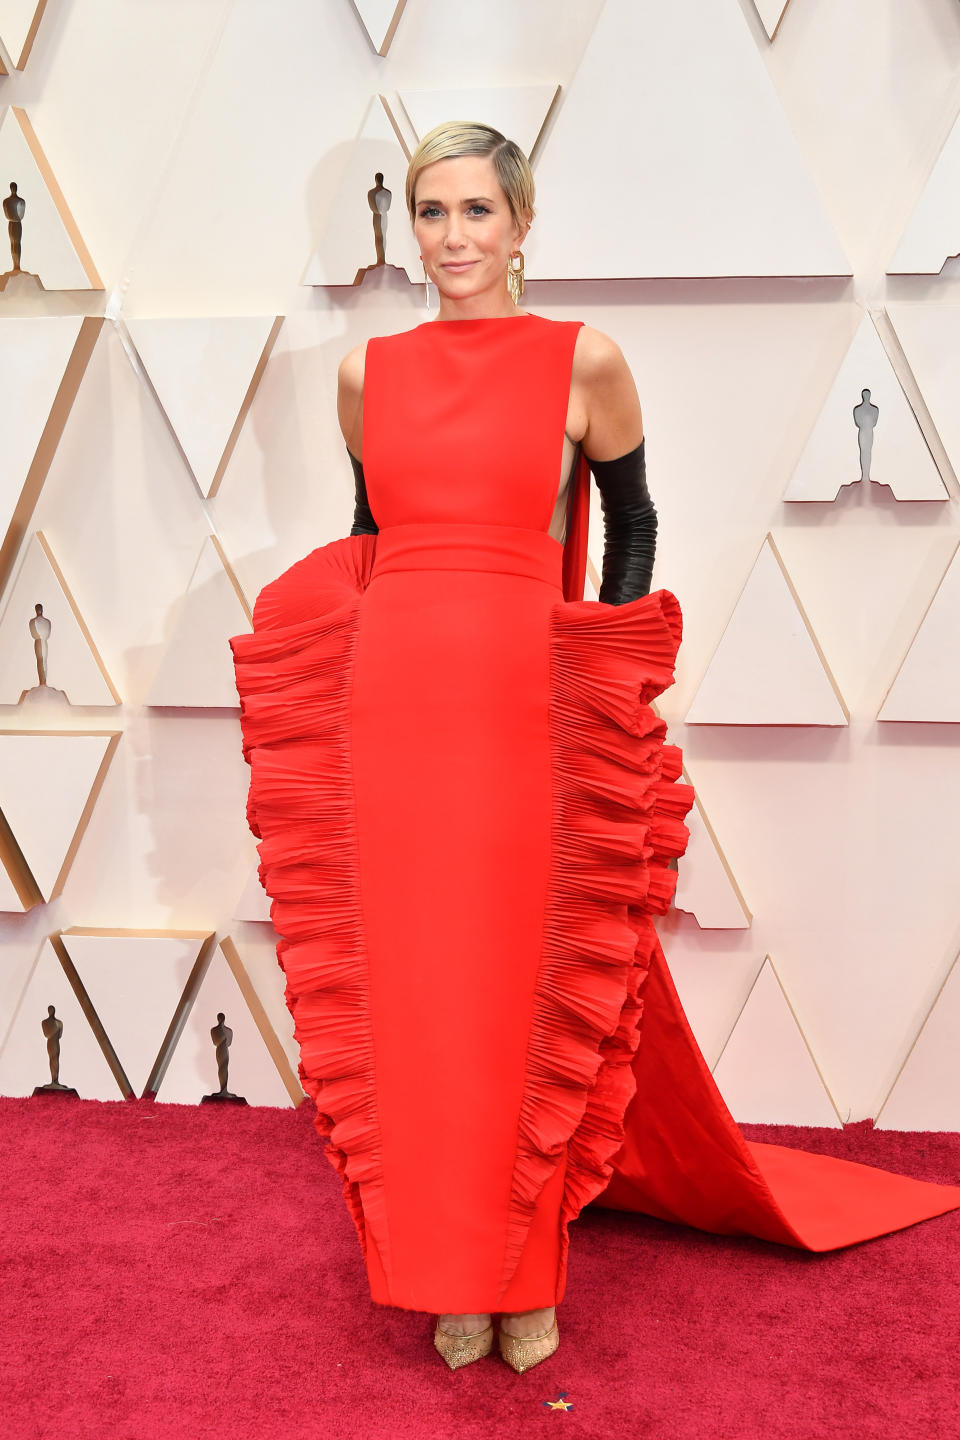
[(350, 369), (614, 419), (350, 398), (596, 355)]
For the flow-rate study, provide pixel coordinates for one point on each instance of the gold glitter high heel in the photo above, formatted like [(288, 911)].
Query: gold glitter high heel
[(460, 1350), (522, 1352)]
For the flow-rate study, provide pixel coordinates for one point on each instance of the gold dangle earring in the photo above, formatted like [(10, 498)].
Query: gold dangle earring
[(515, 276), (426, 287)]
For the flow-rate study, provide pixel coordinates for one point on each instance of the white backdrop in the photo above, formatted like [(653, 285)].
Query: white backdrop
[(733, 210)]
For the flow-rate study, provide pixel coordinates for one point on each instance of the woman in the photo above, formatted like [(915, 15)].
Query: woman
[(467, 811), (469, 225)]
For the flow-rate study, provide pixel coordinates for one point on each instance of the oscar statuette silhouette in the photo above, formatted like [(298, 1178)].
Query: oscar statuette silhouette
[(16, 280), (222, 1037), (40, 627), (379, 199), (52, 1027), (865, 416)]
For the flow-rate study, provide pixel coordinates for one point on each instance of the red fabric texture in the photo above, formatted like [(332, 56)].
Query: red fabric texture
[(466, 810)]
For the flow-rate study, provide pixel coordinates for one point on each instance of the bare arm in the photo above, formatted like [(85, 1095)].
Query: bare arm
[(350, 398), (614, 446), (614, 419), (350, 415)]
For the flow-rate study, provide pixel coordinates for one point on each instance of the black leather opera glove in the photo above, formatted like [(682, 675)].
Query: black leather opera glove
[(629, 526), (363, 521)]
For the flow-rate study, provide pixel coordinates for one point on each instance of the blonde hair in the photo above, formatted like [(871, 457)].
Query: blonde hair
[(469, 137)]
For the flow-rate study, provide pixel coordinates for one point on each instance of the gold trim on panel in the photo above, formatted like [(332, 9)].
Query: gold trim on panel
[(394, 125), (93, 1019), (142, 372), (885, 325), (58, 198), (913, 1044), (180, 1015), (14, 862), (767, 960), (92, 796), (245, 405), (721, 855), (46, 448), (739, 1014), (262, 1021), (84, 629), (232, 577), (805, 618), (121, 932), (390, 31), (117, 933), (906, 654), (771, 34), (20, 60)]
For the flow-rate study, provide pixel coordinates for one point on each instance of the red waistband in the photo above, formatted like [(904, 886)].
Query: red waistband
[(448, 545)]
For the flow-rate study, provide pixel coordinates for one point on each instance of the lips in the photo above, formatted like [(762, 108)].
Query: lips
[(459, 265)]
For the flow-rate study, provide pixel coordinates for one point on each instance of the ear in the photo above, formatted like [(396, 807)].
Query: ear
[(521, 231)]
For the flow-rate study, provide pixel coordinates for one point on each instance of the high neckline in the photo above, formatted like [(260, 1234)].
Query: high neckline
[(480, 320)]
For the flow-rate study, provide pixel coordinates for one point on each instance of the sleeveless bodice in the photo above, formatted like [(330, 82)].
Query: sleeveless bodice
[(463, 421)]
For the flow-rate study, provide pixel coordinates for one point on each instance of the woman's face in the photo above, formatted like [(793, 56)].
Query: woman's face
[(464, 227)]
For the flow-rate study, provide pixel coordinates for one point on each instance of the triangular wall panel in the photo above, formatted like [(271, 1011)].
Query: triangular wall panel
[(675, 120), (52, 248), (771, 13), (11, 901), (713, 990), (515, 110), (42, 360), (49, 783), (73, 663), (257, 960), (23, 1052), (380, 19), (197, 665), (205, 371), (706, 886), (927, 685), (768, 668), (929, 335), (766, 1072), (257, 1066), (895, 453), (19, 23), (135, 980), (926, 1093), (930, 236), (348, 245)]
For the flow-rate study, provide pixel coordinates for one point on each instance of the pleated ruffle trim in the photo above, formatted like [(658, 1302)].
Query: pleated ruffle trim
[(294, 676), (617, 822)]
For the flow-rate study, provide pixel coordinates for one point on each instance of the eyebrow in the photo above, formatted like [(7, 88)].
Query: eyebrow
[(471, 201)]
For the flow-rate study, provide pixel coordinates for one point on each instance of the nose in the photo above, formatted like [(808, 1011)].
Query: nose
[(453, 239)]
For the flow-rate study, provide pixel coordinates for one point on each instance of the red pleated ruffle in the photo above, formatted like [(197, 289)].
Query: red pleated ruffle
[(294, 676), (618, 820)]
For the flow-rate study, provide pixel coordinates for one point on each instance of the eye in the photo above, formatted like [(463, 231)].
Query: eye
[(429, 210)]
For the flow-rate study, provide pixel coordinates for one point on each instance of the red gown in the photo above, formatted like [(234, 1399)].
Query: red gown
[(466, 809)]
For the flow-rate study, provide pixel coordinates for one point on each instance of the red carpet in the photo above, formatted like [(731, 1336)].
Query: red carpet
[(175, 1271)]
